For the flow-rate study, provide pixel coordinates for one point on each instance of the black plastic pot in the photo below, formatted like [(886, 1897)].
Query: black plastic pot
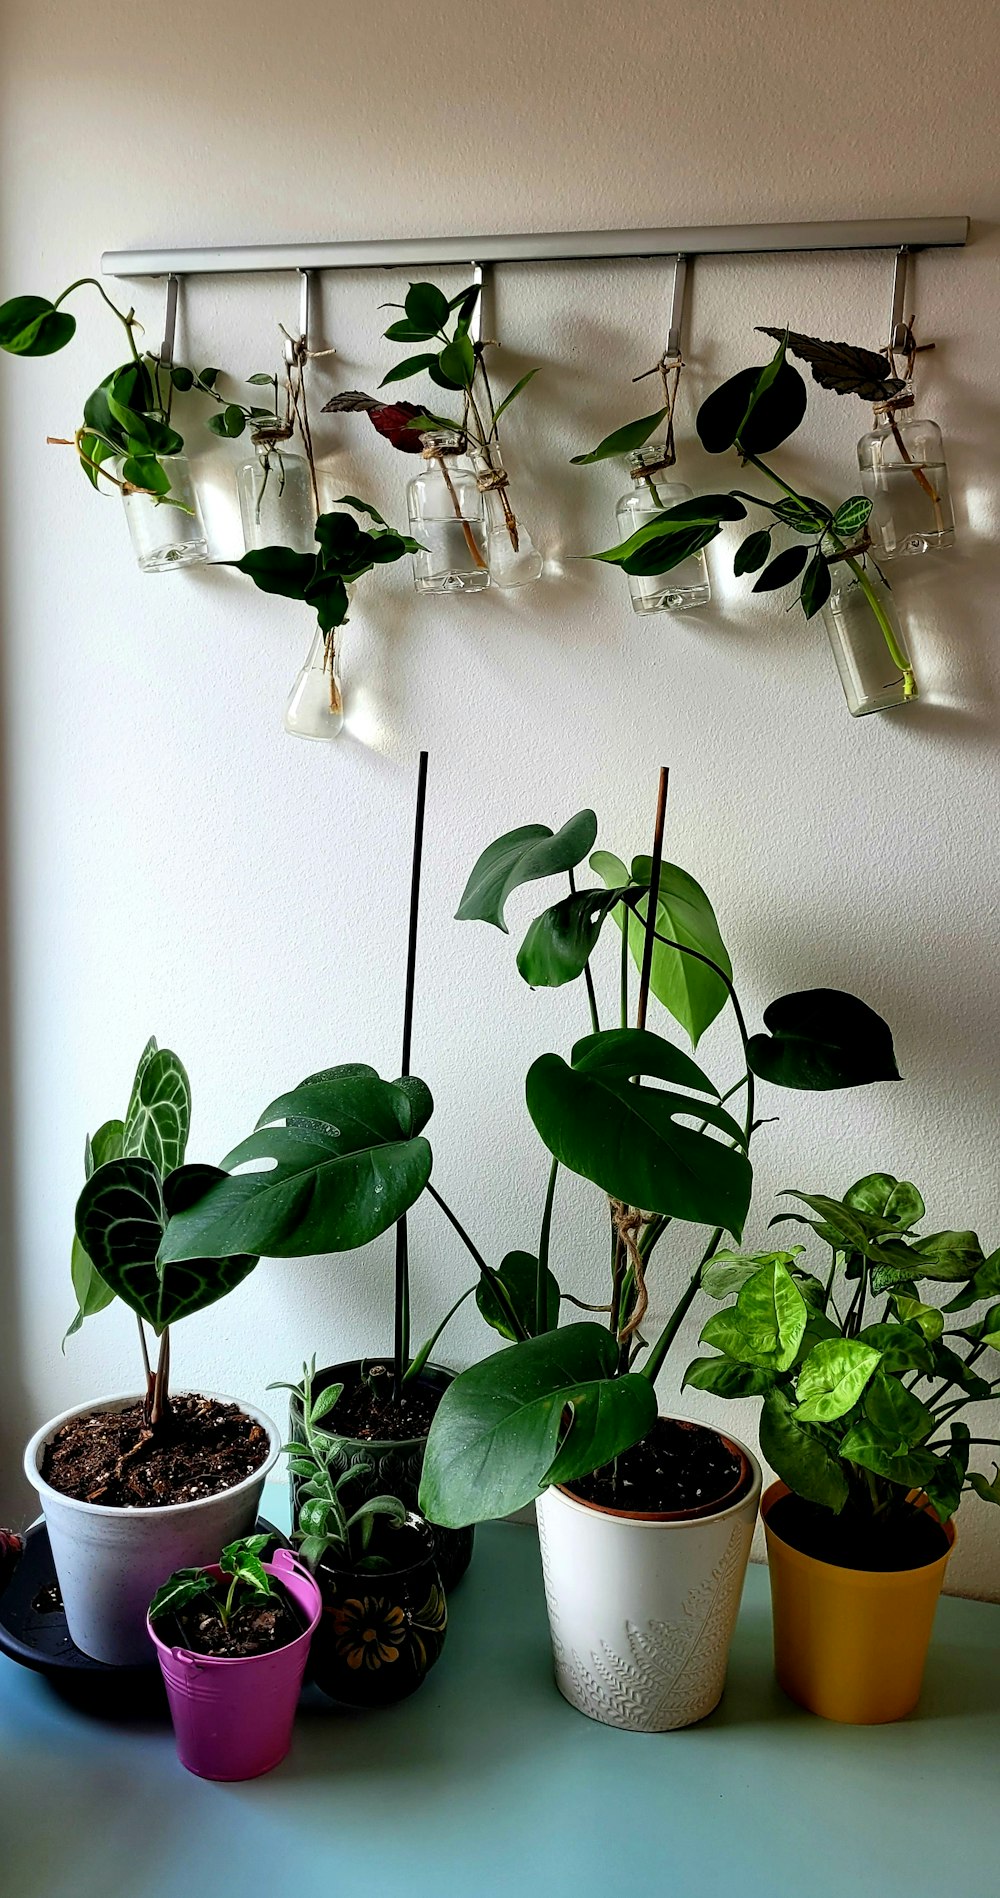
[(388, 1466), (381, 1630)]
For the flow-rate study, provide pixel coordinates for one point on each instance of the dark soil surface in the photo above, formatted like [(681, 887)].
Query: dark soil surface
[(368, 1411), (678, 1466), (113, 1457), (258, 1628), (910, 1540)]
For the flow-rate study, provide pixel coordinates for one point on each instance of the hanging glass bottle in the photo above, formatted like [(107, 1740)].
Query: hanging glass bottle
[(905, 475), (315, 706), (447, 516), (685, 585), (868, 642), (166, 532), (514, 560), (277, 506)]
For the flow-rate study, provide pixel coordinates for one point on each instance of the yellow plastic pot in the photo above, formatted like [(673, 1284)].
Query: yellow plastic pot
[(848, 1644)]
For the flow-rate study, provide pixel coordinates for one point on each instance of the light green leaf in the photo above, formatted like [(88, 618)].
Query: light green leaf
[(728, 1272), (726, 1379), (623, 441), (928, 1319), (896, 1202), (766, 1325), (833, 1378), (691, 991), (800, 1457)]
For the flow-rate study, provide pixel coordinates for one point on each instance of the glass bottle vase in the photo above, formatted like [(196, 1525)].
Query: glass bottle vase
[(868, 646), (276, 501), (510, 565), (447, 517), (166, 532), (315, 706), (905, 475), (685, 585)]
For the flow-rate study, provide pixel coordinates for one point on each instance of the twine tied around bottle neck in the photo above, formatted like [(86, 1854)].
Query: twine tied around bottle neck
[(268, 435), (909, 349), (859, 548), (669, 371)]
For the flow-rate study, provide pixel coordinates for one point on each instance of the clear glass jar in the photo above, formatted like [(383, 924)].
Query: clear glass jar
[(510, 566), (168, 532), (276, 500), (868, 645), (905, 475), (447, 516), (685, 585), (315, 706)]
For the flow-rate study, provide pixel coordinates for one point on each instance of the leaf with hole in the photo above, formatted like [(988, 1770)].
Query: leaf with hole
[(559, 943)]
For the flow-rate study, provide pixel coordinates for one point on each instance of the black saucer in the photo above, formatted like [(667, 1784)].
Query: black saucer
[(33, 1632)]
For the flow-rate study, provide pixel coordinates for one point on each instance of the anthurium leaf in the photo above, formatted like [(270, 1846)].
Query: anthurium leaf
[(159, 1111), (277, 570), (623, 441), (523, 856), (752, 552), (621, 1052), (896, 1202), (518, 1274), (120, 1220), (32, 326), (833, 1378), (852, 515), (864, 1445), (500, 1431), (802, 512), (816, 586), (92, 1294), (928, 1319), (799, 1456), (630, 1141), (782, 570), (899, 1417), (345, 1166), (559, 943), (842, 367), (692, 992), (821, 1039), (726, 1379)]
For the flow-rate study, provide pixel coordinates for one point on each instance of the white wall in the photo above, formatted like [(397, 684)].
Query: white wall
[(177, 865)]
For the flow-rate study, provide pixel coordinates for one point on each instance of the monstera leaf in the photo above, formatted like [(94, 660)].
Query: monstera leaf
[(690, 989), (344, 1163), (121, 1216), (523, 856), (821, 1039), (159, 1112)]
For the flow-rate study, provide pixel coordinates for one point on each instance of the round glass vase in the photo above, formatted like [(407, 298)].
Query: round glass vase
[(685, 585), (868, 644), (167, 531), (905, 475), (276, 500), (447, 516), (315, 706)]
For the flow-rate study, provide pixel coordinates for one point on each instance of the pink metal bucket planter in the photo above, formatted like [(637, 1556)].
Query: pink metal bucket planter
[(233, 1718)]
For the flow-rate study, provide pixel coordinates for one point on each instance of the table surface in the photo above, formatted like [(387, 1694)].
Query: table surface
[(486, 1782)]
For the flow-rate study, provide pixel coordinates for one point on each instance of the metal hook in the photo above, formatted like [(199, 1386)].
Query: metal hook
[(166, 356), (476, 320), (899, 329), (677, 294), (300, 345)]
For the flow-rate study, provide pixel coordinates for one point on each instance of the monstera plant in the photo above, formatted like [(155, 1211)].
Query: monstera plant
[(665, 1143)]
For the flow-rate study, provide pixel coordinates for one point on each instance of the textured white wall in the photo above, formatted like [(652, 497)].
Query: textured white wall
[(176, 864)]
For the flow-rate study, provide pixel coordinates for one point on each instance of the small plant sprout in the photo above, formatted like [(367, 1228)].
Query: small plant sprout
[(325, 1525), (244, 1582)]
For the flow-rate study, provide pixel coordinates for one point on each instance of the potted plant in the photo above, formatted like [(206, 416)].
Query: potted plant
[(752, 413), (384, 1609), (862, 1379), (135, 1485), (645, 1522), (127, 438), (232, 1640), (459, 505)]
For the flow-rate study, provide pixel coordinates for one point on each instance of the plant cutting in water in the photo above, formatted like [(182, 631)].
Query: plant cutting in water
[(565, 1401), (861, 1380), (752, 413), (137, 1181), (325, 1527)]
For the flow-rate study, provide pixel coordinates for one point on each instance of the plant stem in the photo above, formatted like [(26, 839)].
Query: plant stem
[(470, 539), (541, 1280), (424, 1353), (623, 970), (654, 1362), (587, 976), (159, 1409), (145, 1359), (401, 1348), (652, 897), (497, 1285)]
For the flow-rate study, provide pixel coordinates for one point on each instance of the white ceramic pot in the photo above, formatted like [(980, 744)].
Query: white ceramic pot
[(110, 1562), (642, 1609)]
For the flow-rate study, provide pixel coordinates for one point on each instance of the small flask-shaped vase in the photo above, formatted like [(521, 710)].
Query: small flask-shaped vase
[(905, 475), (167, 532), (868, 645), (514, 559), (685, 585), (315, 706), (447, 517), (276, 500)]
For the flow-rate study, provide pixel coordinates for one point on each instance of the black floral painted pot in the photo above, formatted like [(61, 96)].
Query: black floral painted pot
[(387, 1466), (381, 1630)]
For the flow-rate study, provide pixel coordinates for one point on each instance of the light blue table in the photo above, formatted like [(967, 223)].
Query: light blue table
[(488, 1783)]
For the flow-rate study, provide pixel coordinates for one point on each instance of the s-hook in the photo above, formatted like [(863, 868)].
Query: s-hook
[(476, 320), (296, 347), (166, 355), (677, 295)]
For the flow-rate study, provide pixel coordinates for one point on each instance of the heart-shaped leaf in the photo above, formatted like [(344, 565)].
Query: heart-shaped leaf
[(32, 326), (852, 515), (495, 1443), (159, 1112), (833, 1378), (691, 990), (820, 1039), (523, 856), (766, 1325), (518, 1274), (121, 1216), (756, 410)]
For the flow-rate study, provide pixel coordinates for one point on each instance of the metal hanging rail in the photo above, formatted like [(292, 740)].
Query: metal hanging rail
[(401, 253)]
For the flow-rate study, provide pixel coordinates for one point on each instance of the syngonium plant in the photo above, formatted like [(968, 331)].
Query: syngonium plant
[(666, 1145), (751, 414), (861, 1377)]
